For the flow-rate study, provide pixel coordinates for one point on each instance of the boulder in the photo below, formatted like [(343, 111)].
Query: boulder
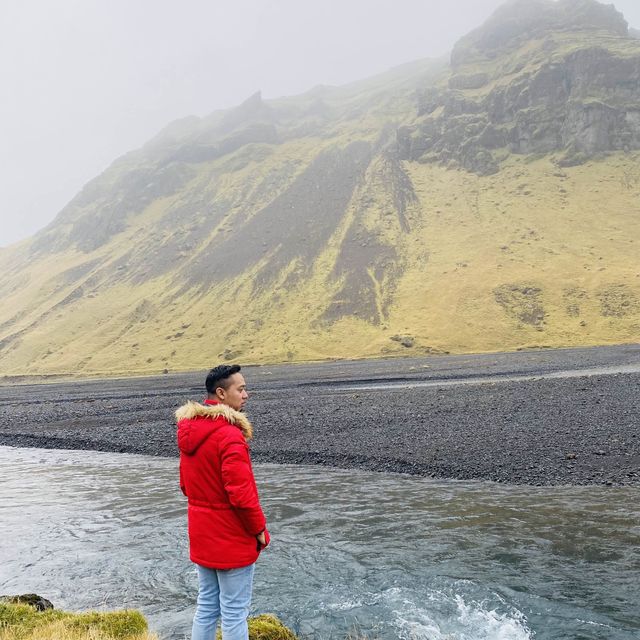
[(32, 599)]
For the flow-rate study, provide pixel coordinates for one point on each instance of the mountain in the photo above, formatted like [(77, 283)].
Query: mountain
[(538, 77), (486, 202)]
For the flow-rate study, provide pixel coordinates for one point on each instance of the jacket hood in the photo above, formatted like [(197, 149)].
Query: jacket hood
[(192, 433)]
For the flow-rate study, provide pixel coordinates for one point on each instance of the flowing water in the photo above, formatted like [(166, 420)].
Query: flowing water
[(388, 555)]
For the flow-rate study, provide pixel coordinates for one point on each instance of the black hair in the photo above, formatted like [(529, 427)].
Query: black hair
[(218, 376)]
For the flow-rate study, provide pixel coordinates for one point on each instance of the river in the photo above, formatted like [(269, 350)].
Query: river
[(389, 555)]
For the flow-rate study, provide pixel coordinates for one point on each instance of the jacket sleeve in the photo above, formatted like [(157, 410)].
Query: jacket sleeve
[(240, 485)]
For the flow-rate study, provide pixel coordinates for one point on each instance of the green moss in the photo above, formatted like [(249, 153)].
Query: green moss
[(119, 625), (267, 627), (18, 621)]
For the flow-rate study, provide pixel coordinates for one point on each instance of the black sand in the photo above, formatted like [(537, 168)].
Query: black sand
[(513, 418)]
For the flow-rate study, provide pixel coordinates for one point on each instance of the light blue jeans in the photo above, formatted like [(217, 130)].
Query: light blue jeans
[(224, 593)]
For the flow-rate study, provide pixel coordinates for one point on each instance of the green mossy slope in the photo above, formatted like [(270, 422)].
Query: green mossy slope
[(432, 209)]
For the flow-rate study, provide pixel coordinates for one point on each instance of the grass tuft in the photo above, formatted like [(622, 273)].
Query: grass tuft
[(266, 627), (23, 622)]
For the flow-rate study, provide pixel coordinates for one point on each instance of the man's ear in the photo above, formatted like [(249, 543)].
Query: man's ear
[(220, 393)]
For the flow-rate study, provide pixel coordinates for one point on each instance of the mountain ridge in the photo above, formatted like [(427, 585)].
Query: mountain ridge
[(430, 209)]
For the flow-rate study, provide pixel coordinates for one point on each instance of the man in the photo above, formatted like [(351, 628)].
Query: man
[(227, 528)]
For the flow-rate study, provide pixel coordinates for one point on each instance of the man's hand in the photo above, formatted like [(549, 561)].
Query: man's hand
[(261, 538)]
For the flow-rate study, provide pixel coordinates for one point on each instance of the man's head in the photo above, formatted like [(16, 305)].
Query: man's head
[(226, 384)]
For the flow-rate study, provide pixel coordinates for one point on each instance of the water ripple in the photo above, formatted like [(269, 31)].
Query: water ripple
[(391, 555)]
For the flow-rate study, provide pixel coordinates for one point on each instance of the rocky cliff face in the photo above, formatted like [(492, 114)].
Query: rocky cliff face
[(520, 21), (539, 77)]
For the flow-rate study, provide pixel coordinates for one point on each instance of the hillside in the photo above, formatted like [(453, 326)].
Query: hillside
[(486, 203)]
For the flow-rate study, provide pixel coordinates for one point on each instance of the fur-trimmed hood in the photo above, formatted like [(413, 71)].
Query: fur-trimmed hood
[(191, 438)]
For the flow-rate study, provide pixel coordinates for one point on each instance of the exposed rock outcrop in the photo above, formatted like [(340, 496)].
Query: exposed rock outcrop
[(32, 599), (521, 21), (538, 77)]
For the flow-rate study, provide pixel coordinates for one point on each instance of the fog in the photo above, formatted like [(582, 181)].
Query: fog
[(84, 81)]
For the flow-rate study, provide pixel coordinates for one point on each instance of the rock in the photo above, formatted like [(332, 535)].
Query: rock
[(405, 341), (32, 599), (471, 81)]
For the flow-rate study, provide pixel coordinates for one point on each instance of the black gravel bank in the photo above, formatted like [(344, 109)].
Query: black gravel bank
[(543, 417)]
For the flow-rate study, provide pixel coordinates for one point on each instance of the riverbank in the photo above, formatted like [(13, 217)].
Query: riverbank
[(536, 417), (19, 621)]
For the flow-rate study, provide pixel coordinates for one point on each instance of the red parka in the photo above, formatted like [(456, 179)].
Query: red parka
[(224, 513)]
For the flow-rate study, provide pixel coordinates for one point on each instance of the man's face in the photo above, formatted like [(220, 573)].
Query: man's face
[(235, 395)]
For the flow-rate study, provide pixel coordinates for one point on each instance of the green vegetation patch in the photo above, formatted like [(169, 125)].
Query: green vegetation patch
[(21, 620), (266, 627), (618, 300), (522, 302), (574, 297)]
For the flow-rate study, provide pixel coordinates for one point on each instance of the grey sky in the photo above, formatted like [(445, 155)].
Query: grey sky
[(84, 81)]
